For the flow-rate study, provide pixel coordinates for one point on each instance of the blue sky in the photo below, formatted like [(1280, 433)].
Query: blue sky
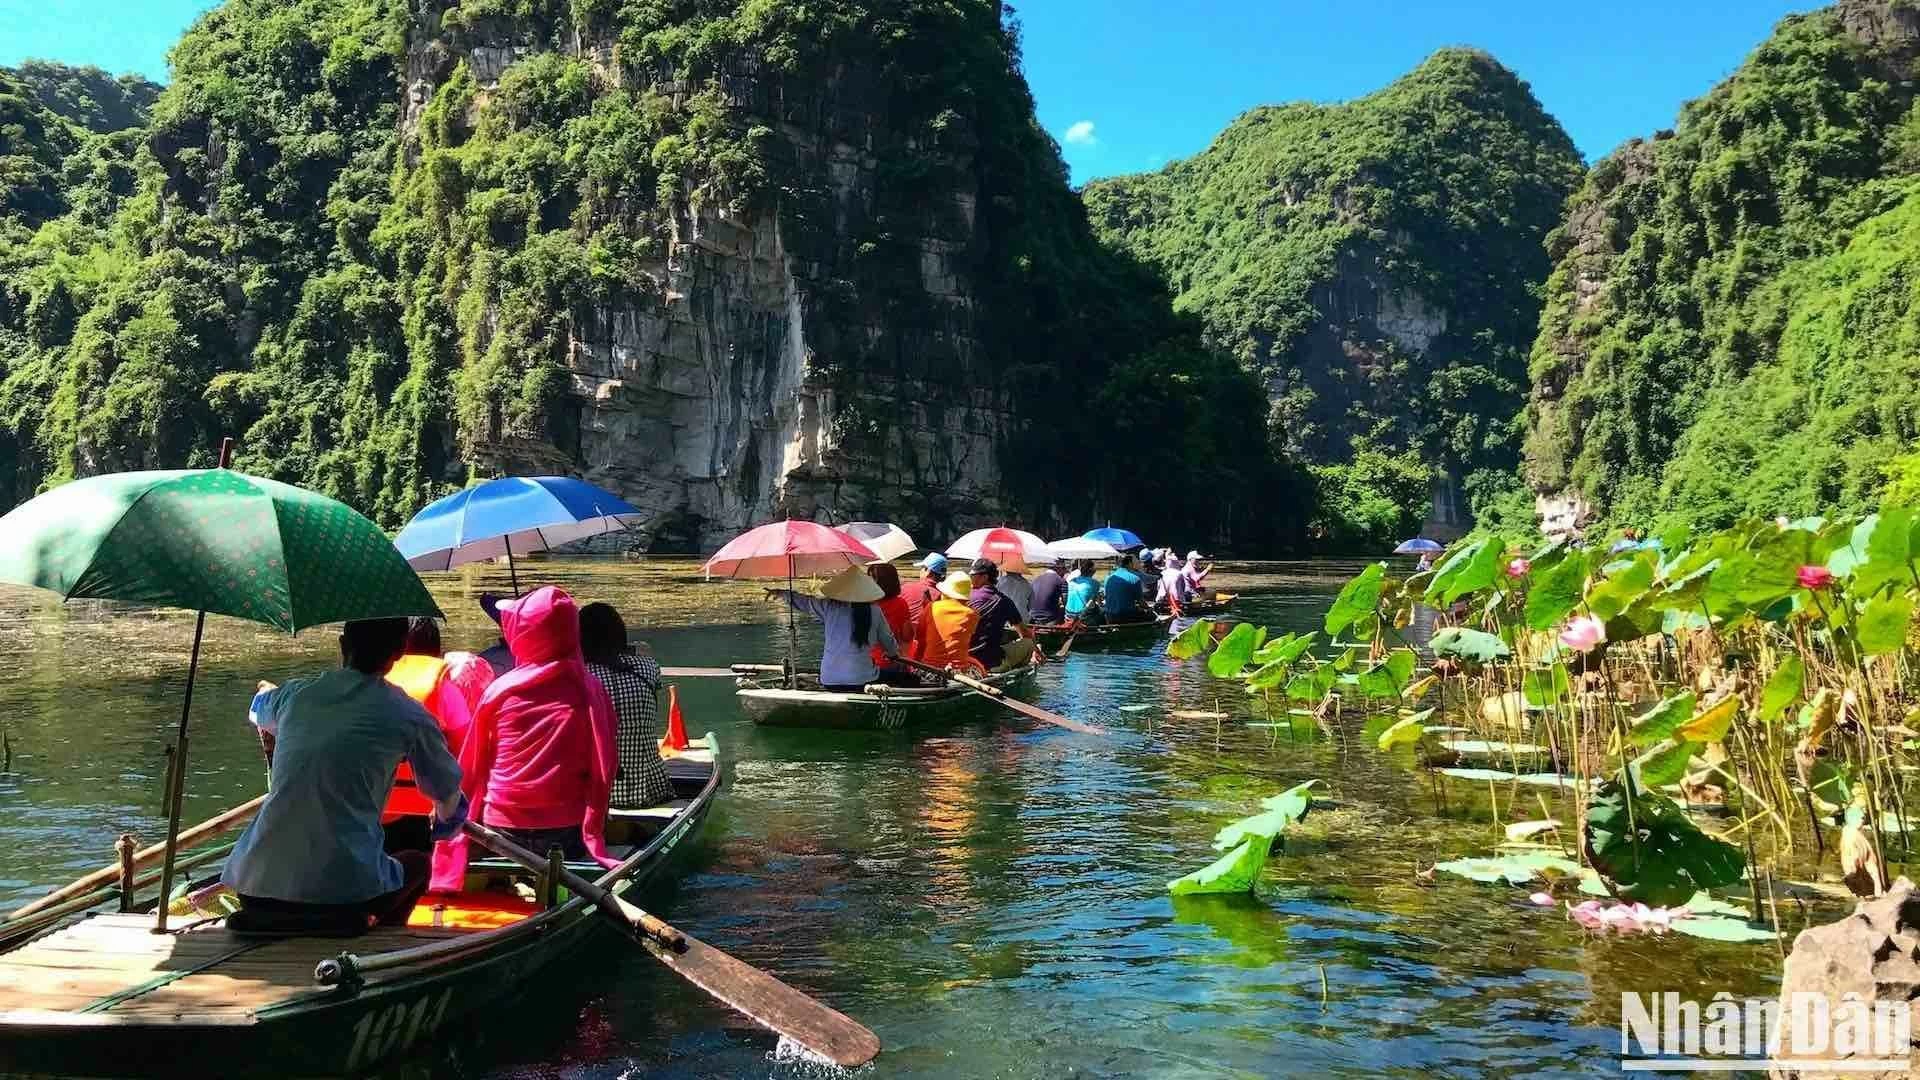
[(1127, 85)]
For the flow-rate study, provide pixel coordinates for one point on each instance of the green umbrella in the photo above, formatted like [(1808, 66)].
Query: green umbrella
[(208, 540)]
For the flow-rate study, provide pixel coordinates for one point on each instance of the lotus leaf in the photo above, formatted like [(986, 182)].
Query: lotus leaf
[(1722, 928), (1419, 690), (1451, 568), (1662, 720), (1545, 686), (1555, 593), (1462, 643), (1233, 652), (1357, 599), (1285, 650), (1268, 675), (1294, 802), (1192, 641), (1406, 730), (1618, 592), (1665, 764), (1831, 782), (1649, 851), (1520, 830), (1266, 825), (1234, 872), (1882, 628), (1889, 551), (1783, 687), (1710, 724), (1513, 869)]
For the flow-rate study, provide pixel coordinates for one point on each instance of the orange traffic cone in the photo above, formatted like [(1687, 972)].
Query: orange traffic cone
[(676, 724)]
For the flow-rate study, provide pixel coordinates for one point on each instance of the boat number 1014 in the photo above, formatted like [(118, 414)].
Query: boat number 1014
[(395, 1028)]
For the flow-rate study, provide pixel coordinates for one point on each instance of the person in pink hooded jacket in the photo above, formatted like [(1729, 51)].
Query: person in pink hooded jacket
[(539, 759)]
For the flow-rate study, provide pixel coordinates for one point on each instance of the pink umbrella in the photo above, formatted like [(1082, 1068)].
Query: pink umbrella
[(1004, 548), (786, 549)]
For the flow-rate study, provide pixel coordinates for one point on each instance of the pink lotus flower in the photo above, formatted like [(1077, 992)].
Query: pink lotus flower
[(1542, 899), (1583, 633), (1518, 568), (1625, 918), (1815, 577)]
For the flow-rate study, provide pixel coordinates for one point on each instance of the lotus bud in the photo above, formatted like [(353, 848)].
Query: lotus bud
[(1518, 568)]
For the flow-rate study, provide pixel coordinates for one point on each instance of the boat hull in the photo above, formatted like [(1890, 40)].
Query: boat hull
[(775, 706), (1104, 636), (341, 1030)]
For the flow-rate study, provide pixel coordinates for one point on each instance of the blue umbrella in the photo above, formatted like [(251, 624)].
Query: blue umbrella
[(1419, 545), (1121, 539), (513, 513)]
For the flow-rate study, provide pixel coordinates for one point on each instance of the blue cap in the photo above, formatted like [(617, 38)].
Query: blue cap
[(933, 561)]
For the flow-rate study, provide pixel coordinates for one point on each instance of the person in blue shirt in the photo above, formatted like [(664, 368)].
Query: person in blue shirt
[(1124, 592), (314, 858), (1083, 594)]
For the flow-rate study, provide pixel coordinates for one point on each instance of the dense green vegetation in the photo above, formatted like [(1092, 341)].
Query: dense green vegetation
[(364, 298), (1280, 236), (88, 96), (1729, 328)]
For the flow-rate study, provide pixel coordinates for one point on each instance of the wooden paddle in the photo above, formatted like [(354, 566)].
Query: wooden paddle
[(988, 690), (764, 999)]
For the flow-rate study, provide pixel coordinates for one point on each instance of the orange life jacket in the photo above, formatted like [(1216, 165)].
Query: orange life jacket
[(419, 676)]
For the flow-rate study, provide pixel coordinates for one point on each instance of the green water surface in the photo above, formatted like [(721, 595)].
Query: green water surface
[(989, 896)]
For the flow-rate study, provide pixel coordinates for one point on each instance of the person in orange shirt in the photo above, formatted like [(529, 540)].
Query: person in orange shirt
[(946, 634)]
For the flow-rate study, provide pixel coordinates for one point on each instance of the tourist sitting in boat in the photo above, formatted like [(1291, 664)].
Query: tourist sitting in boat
[(997, 616), (631, 678), (1196, 574), (1125, 593), (314, 857), (1049, 605), (1083, 594), (497, 655), (1014, 585), (921, 592), (899, 615), (541, 755), (1173, 592), (946, 633), (449, 688), (853, 627)]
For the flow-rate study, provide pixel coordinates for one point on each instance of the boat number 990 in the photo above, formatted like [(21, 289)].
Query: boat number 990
[(395, 1028)]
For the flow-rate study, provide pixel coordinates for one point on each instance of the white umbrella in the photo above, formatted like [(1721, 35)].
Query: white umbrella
[(1079, 547), (1033, 548), (887, 542)]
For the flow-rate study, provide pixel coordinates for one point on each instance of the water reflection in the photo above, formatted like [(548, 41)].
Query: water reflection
[(989, 896)]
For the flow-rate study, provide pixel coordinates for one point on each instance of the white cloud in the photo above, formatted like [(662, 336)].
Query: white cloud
[(1081, 133)]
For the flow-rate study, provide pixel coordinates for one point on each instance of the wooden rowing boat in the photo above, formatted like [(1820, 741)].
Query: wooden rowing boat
[(104, 995), (767, 699), (1103, 635), (1211, 607)]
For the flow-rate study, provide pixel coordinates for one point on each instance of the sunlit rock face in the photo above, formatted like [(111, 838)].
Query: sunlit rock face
[(746, 376)]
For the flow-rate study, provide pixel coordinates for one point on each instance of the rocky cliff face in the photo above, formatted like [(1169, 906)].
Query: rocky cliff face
[(744, 373), (734, 261)]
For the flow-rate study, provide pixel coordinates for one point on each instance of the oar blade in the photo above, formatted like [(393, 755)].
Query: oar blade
[(769, 1002), (1050, 717)]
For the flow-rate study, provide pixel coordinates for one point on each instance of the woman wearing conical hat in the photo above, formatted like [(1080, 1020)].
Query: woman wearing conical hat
[(854, 627)]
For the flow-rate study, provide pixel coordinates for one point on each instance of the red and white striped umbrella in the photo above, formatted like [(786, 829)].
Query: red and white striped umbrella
[(787, 549), (1009, 549)]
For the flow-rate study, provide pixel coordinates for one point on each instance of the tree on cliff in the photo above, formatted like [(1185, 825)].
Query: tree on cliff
[(388, 240), (1730, 323), (1374, 264)]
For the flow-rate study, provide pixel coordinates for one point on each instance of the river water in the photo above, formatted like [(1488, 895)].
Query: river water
[(990, 897)]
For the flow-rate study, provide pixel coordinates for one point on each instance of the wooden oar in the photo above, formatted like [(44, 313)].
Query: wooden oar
[(988, 690), (143, 858), (766, 1000)]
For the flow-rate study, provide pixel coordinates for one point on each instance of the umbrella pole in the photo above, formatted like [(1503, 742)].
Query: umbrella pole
[(178, 775), (512, 574), (793, 644)]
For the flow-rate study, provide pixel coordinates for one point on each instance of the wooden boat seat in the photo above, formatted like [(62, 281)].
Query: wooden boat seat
[(664, 812), (115, 966)]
